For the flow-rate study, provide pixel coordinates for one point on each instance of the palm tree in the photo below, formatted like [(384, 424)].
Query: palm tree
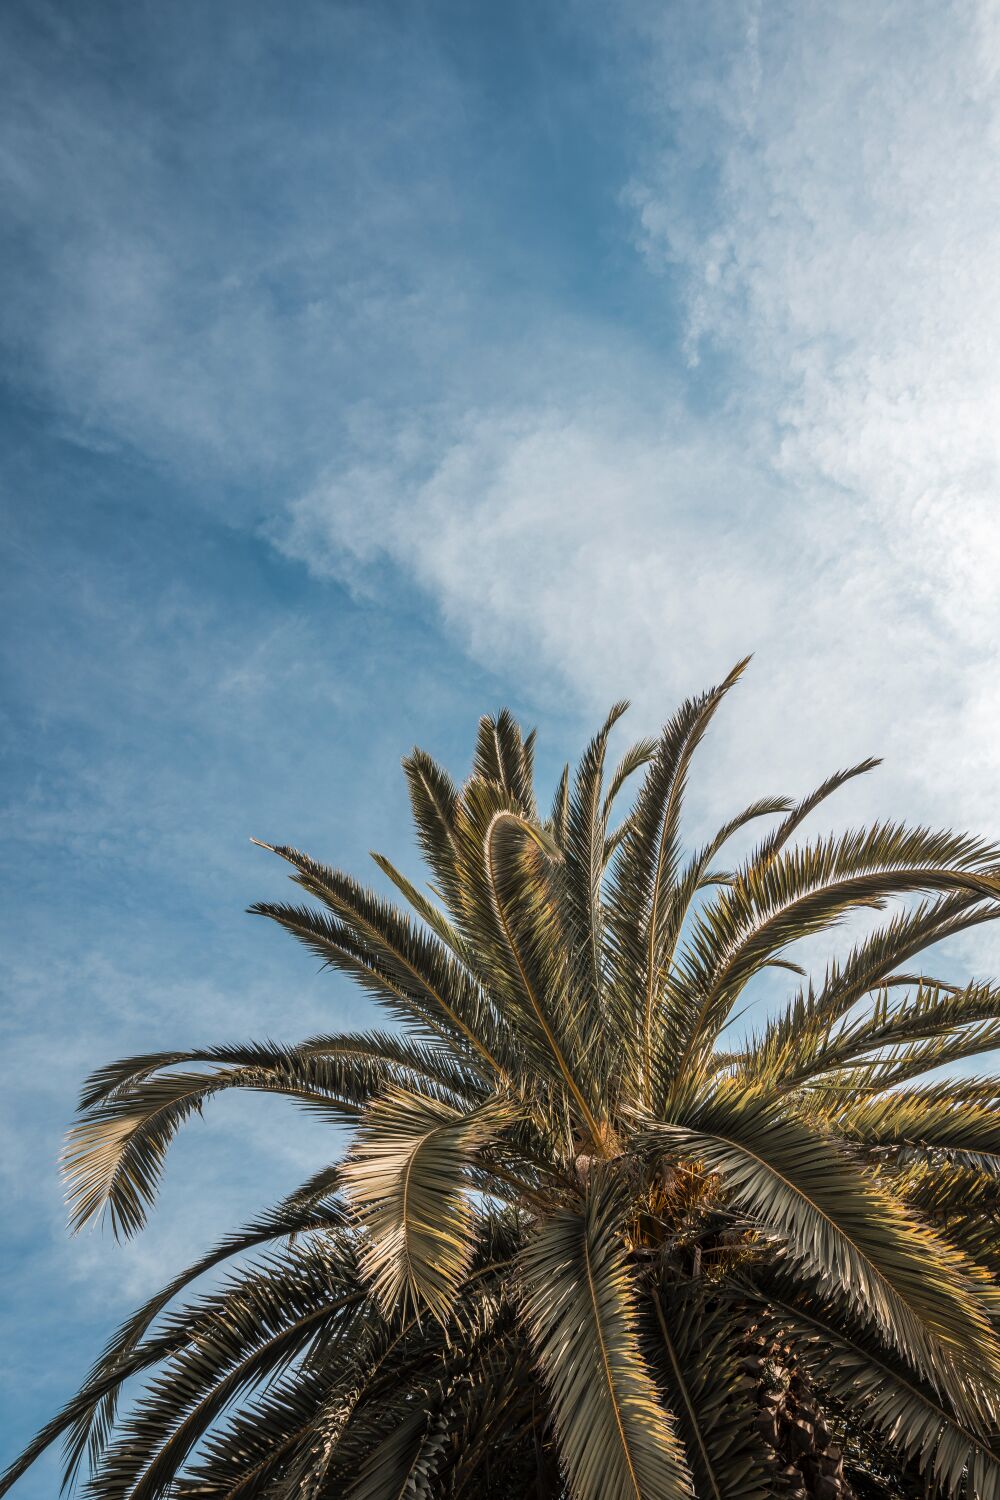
[(585, 1243)]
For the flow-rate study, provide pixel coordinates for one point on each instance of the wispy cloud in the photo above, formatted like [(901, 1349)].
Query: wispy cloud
[(203, 244), (817, 191), (848, 266)]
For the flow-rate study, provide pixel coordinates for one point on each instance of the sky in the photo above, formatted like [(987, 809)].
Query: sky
[(364, 367)]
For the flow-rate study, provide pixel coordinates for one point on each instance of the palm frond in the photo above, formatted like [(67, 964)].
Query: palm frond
[(403, 1466), (615, 1436), (263, 1446), (797, 815), (803, 891), (880, 1392), (701, 1342), (962, 1203), (114, 1157), (405, 1176), (426, 909), (433, 800), (558, 820), (381, 939), (697, 875), (817, 1036), (498, 1426), (798, 1186), (88, 1420), (915, 1121), (647, 860), (503, 757), (636, 756), (581, 874), (512, 909), (246, 1335)]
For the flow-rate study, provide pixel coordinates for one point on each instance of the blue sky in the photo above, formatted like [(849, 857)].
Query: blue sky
[(366, 366)]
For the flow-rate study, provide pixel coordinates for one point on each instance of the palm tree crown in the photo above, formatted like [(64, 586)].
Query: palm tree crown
[(577, 1248)]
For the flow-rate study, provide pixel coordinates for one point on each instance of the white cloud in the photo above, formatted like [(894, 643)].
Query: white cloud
[(594, 555), (850, 265), (818, 185)]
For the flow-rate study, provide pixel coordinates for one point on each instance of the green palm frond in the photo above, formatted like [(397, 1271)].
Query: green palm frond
[(891, 1269), (804, 891), (647, 860), (497, 1426), (792, 1045), (702, 1342), (904, 1064), (636, 756), (913, 1122), (378, 1057), (810, 1042), (512, 902), (615, 1436), (405, 1178), (89, 1418), (435, 918), (958, 1458), (114, 1156), (421, 1368), (961, 1202), (250, 1454), (558, 819), (424, 977), (797, 814), (574, 1249), (583, 863), (934, 1011), (403, 1465), (505, 758), (433, 800), (694, 875), (263, 1320)]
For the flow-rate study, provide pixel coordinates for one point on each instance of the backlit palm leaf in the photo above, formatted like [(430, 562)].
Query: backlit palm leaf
[(615, 1436), (114, 1156), (575, 1249), (405, 1178), (837, 1224)]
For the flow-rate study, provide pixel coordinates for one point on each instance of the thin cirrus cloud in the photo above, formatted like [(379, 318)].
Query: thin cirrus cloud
[(203, 213)]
